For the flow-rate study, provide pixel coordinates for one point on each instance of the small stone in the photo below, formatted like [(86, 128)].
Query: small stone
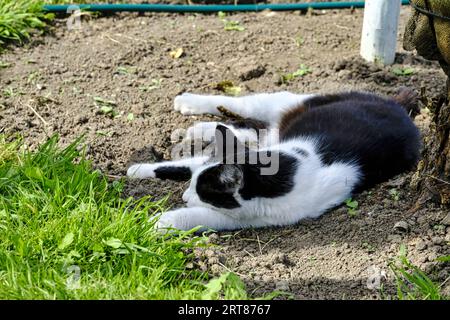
[(401, 226), (216, 269), (282, 285), (447, 238), (421, 245), (242, 47), (422, 219), (437, 241), (213, 238)]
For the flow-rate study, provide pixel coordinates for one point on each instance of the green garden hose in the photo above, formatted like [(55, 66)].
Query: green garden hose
[(110, 8)]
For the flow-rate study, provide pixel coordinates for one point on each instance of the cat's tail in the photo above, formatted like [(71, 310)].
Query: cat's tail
[(409, 100)]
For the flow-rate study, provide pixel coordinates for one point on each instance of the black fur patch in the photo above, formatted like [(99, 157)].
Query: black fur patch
[(254, 184), (269, 186), (375, 133), (173, 173), (211, 190)]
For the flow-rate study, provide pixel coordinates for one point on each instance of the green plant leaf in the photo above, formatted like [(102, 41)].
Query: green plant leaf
[(113, 243), (403, 71), (228, 87), (34, 173), (66, 241)]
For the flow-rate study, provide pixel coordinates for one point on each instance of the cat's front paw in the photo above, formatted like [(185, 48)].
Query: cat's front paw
[(191, 104), (181, 219), (168, 221), (141, 171)]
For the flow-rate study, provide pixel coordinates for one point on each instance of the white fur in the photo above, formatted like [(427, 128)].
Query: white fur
[(317, 187), (267, 107)]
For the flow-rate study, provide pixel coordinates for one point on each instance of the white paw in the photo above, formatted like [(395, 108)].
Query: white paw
[(141, 171), (181, 219), (190, 104), (167, 221)]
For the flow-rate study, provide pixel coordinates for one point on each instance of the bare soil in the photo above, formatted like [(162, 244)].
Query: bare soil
[(56, 84)]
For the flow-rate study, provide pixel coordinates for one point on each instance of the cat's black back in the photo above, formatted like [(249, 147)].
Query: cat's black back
[(376, 133)]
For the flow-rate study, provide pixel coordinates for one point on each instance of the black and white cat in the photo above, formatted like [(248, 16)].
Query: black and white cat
[(326, 147)]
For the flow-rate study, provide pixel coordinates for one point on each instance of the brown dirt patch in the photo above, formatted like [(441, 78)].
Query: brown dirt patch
[(123, 58)]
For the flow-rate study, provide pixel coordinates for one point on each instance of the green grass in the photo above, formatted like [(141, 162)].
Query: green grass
[(413, 283), (65, 233), (19, 17)]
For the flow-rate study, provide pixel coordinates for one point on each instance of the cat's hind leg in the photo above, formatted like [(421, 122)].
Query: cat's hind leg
[(178, 170), (267, 107)]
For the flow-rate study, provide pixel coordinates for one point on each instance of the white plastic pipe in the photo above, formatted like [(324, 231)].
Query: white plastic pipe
[(379, 34)]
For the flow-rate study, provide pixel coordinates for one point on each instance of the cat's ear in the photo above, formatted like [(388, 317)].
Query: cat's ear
[(230, 177), (227, 145)]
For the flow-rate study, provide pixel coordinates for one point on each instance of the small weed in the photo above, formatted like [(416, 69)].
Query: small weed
[(104, 133), (126, 70), (221, 15), (439, 227), (229, 284), (130, 117), (303, 70), (413, 283), (403, 71), (228, 87), (33, 77), (230, 25), (352, 206), (367, 246), (107, 107), (155, 84), (299, 41), (233, 26), (103, 102), (395, 194), (11, 92)]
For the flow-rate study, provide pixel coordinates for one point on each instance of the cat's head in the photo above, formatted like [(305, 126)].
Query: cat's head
[(233, 175), (217, 183)]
